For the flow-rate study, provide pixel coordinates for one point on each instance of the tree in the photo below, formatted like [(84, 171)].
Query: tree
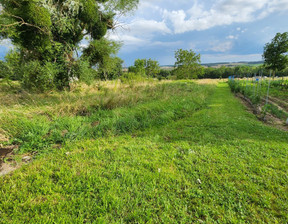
[(9, 67), (275, 53), (187, 64), (111, 69), (152, 68), (50, 31), (146, 67)]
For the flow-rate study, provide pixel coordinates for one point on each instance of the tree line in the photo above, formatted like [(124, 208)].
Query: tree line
[(48, 52)]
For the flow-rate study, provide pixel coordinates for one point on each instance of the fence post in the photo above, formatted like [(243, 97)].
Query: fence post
[(267, 99), (246, 86), (260, 87), (254, 84)]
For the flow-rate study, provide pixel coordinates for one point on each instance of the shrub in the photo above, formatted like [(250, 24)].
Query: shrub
[(163, 74), (131, 77), (81, 71), (39, 77)]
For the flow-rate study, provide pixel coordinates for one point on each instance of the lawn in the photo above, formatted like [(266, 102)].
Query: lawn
[(181, 153)]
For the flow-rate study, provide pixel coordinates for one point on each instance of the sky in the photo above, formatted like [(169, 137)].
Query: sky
[(220, 30)]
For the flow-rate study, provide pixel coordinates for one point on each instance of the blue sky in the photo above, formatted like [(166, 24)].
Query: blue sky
[(220, 30)]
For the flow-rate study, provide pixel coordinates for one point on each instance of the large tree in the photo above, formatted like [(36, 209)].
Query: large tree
[(188, 64), (150, 68), (275, 53), (50, 31)]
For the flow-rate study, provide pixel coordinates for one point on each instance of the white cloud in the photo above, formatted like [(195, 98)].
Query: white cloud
[(146, 27), (208, 58), (140, 33), (128, 40), (136, 42), (232, 37), (221, 46), (223, 12)]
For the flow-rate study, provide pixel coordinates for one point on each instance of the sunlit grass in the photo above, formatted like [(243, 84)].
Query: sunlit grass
[(197, 158)]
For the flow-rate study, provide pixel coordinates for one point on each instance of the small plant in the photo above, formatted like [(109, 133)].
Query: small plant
[(273, 109)]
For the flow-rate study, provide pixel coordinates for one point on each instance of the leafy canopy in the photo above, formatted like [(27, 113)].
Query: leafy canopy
[(275, 52), (50, 31), (150, 68), (187, 64)]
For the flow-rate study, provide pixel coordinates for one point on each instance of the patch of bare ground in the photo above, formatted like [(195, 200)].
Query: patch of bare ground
[(9, 161), (268, 119), (3, 138)]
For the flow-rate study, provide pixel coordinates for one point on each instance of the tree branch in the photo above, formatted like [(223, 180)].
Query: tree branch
[(22, 22)]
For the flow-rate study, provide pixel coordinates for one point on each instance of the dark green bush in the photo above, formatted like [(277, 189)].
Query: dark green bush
[(38, 77)]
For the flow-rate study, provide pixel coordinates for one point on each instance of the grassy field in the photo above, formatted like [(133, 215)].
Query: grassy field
[(174, 152)]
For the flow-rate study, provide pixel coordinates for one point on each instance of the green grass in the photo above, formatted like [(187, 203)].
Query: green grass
[(214, 163), (42, 130), (271, 108)]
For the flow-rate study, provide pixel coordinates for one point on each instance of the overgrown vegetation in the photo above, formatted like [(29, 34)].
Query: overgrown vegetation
[(48, 34), (270, 95), (187, 65), (41, 122), (275, 53), (194, 157)]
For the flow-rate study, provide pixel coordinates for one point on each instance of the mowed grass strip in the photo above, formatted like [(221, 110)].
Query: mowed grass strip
[(216, 165)]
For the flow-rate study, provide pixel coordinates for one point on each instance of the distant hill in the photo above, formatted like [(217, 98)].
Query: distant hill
[(219, 64), (233, 64)]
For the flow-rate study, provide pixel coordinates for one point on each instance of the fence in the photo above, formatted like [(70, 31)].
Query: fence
[(268, 93)]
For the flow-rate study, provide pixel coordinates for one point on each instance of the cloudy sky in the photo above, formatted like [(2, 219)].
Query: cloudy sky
[(220, 30)]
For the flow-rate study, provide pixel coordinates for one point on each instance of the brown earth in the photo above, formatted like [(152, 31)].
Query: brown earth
[(269, 119), (6, 152)]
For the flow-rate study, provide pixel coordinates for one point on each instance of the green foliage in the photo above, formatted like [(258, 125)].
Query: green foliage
[(38, 77), (150, 68), (164, 74), (41, 134), (273, 109), (239, 71), (131, 78), (111, 68), (10, 68), (275, 52), (50, 31), (187, 64), (139, 67), (81, 71), (249, 92), (99, 51), (217, 165)]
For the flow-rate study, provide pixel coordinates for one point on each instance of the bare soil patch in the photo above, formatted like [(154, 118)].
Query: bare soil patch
[(268, 119), (8, 162)]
